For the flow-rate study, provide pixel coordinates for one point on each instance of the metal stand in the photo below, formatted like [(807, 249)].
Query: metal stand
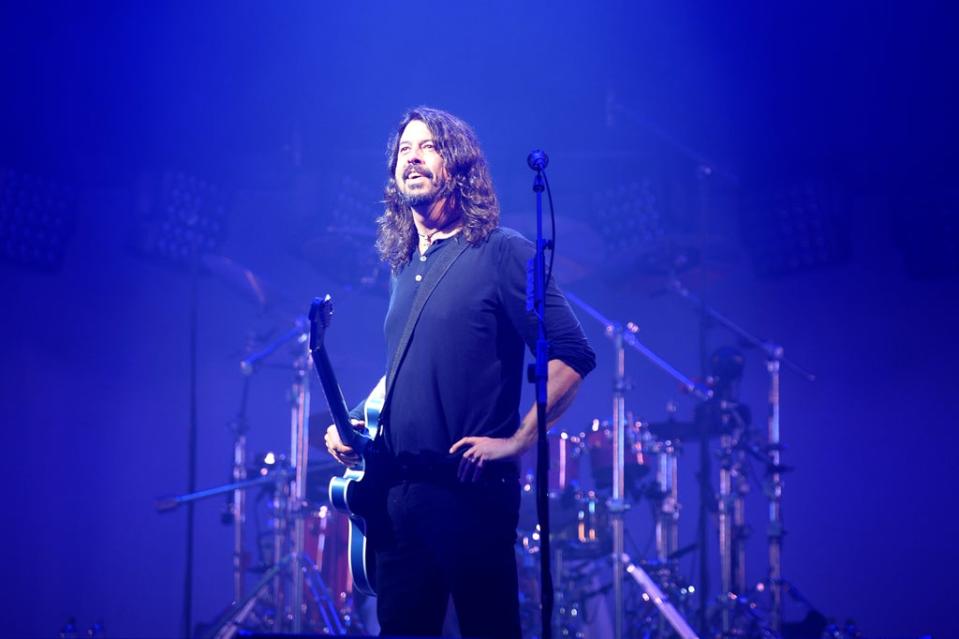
[(238, 502), (659, 598), (667, 512), (289, 505), (733, 487), (248, 367), (240, 614), (706, 504), (299, 453), (667, 516), (774, 492), (774, 361), (536, 302), (272, 585), (617, 505)]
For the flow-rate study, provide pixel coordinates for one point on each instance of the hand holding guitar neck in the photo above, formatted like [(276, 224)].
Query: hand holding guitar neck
[(340, 451)]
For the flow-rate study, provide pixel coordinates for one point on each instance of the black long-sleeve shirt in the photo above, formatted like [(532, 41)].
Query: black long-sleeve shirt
[(462, 373)]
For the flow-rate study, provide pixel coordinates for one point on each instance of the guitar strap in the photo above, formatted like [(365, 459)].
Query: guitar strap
[(442, 265)]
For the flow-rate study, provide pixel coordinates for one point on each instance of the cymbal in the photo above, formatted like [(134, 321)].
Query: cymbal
[(255, 288), (347, 255)]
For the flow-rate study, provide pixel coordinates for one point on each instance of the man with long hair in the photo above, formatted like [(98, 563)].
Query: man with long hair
[(452, 429)]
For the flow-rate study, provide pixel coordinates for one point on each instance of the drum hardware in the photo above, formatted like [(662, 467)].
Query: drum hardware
[(257, 287), (667, 503), (292, 573), (623, 336), (598, 440), (326, 542), (775, 360), (290, 562), (578, 548), (243, 614), (575, 573), (237, 505), (582, 548), (274, 471), (659, 598), (733, 488)]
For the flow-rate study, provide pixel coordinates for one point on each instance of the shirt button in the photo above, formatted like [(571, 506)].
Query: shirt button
[(419, 278), (422, 258)]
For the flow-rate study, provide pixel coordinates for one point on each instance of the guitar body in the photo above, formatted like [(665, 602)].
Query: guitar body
[(360, 495)]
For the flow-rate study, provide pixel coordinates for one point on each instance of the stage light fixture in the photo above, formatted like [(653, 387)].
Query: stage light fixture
[(796, 226), (629, 217), (181, 216), (37, 220)]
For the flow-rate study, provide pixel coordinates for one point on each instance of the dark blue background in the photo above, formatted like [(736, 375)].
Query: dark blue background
[(279, 104)]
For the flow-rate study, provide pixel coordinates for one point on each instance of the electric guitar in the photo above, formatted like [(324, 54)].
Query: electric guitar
[(356, 493)]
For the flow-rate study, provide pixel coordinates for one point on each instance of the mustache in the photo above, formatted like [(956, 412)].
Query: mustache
[(418, 169)]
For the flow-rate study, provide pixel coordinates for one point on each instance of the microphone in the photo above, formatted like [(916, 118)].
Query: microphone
[(537, 159)]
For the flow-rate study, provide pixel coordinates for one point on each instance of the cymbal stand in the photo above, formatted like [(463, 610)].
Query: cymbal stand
[(667, 516), (248, 366), (617, 505), (303, 572), (775, 359), (280, 520), (621, 337), (733, 487), (774, 492), (299, 453), (289, 506), (230, 624), (237, 505)]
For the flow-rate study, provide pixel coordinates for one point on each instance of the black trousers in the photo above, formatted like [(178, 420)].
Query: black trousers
[(449, 539)]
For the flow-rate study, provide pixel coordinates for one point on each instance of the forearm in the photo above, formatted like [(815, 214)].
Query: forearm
[(561, 387)]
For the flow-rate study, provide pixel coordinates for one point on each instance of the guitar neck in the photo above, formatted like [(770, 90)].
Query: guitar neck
[(334, 398)]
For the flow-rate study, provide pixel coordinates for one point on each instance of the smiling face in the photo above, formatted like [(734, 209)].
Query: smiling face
[(420, 171)]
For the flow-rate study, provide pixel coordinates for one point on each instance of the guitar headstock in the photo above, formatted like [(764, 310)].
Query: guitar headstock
[(321, 314)]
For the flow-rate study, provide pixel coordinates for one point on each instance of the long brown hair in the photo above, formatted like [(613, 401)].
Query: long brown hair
[(471, 186)]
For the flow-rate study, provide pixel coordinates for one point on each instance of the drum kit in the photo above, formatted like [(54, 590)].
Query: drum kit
[(598, 473), (580, 490)]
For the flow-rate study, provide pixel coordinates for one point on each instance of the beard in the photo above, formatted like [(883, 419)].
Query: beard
[(426, 196), (421, 198)]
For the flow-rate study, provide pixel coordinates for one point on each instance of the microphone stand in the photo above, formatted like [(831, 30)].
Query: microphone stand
[(537, 161)]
